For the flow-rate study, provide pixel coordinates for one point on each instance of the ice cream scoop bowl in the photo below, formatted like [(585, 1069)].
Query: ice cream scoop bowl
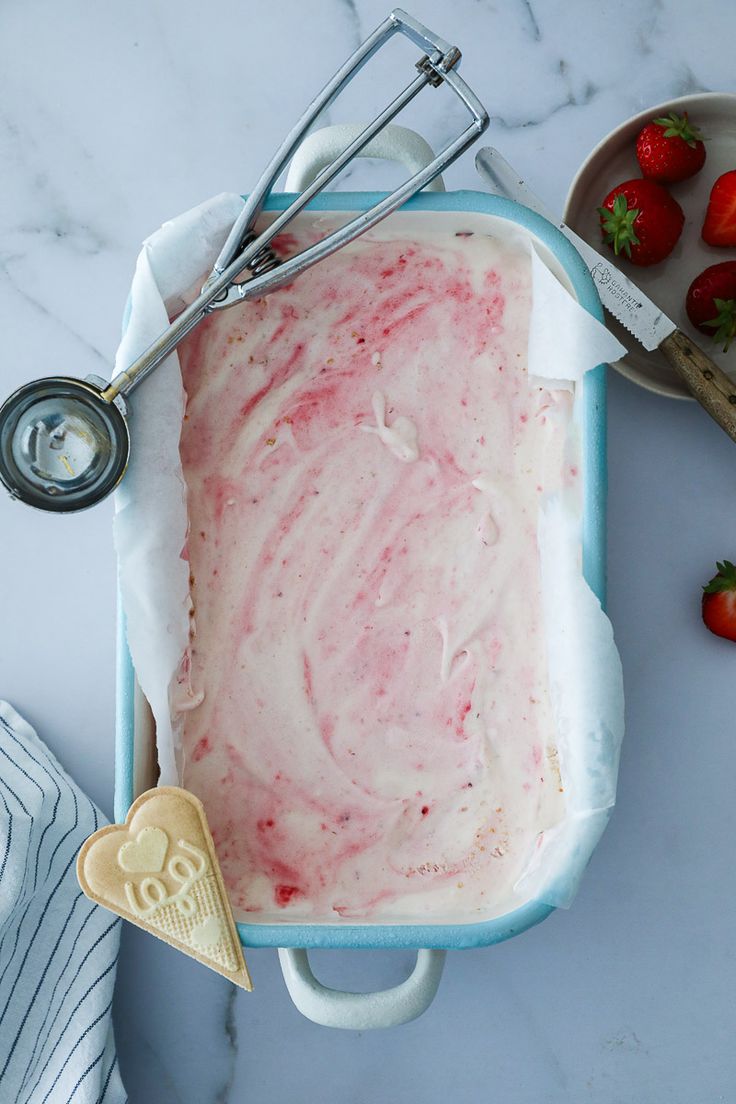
[(63, 445)]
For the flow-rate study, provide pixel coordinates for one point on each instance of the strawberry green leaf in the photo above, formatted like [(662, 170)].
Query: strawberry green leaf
[(679, 126), (618, 225), (724, 580), (724, 322)]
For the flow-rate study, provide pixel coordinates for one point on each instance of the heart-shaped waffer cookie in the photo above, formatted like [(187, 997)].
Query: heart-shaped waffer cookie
[(160, 871)]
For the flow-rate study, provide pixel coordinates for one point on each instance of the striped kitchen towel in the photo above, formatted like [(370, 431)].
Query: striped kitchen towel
[(58, 951)]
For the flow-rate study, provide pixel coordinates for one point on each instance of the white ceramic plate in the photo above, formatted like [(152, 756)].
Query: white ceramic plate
[(614, 160)]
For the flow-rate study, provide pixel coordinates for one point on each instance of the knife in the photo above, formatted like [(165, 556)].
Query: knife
[(626, 302)]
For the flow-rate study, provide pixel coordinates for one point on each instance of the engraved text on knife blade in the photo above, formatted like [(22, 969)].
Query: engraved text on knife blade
[(630, 306)]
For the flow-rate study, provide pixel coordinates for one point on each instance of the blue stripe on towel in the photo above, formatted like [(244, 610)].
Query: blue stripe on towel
[(57, 950), (113, 1066), (44, 1032)]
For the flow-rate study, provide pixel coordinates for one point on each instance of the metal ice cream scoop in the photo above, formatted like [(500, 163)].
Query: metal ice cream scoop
[(64, 443)]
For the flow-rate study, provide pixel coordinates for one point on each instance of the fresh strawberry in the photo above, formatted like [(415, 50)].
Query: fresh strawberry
[(641, 219), (670, 149), (719, 227), (719, 601), (711, 302)]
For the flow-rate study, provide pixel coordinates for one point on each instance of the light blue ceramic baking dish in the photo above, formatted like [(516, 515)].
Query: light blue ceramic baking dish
[(419, 989)]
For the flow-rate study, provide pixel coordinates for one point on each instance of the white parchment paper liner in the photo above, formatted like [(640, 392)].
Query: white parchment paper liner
[(151, 530)]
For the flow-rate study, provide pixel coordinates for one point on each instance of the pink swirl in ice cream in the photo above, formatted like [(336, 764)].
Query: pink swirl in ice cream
[(365, 456)]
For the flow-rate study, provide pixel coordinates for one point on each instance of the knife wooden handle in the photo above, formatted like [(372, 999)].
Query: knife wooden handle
[(704, 379)]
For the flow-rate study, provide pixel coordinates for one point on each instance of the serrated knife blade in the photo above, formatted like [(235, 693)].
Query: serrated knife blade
[(626, 302)]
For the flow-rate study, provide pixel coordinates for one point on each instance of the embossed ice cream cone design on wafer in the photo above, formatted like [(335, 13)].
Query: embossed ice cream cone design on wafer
[(160, 871)]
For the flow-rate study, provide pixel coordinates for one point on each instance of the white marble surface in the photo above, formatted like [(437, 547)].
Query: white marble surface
[(113, 118)]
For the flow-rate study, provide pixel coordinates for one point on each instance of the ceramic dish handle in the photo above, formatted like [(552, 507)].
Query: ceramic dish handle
[(361, 1011), (394, 143)]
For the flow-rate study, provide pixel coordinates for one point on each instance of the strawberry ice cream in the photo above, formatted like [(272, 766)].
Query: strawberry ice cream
[(364, 709)]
